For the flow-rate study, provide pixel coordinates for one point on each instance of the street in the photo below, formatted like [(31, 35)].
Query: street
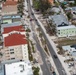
[(52, 52), (45, 65)]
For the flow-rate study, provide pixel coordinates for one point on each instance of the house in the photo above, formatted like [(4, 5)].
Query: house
[(19, 68)]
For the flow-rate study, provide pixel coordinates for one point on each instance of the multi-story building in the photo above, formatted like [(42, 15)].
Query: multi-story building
[(18, 68), (14, 29), (66, 31), (15, 47), (9, 7), (15, 44)]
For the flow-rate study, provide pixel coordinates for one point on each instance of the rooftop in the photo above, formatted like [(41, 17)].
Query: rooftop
[(59, 19), (13, 28), (73, 8), (6, 10), (10, 25), (15, 39), (11, 16), (66, 27), (18, 68), (9, 3), (71, 49)]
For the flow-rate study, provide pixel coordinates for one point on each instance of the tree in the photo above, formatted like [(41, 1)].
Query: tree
[(75, 2), (36, 71)]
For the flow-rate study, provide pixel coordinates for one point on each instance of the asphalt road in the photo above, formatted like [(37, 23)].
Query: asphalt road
[(45, 66), (57, 62)]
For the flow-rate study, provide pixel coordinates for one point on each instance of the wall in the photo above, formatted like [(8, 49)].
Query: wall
[(66, 32)]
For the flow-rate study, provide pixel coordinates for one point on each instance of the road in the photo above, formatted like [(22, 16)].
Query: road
[(57, 62), (45, 66)]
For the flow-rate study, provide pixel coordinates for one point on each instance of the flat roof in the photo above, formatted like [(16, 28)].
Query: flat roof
[(19, 68), (10, 25), (66, 27)]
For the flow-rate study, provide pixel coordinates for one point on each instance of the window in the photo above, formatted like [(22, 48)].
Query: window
[(11, 49), (12, 58), (11, 52)]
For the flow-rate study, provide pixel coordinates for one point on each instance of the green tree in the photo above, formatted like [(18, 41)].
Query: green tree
[(36, 71), (75, 2)]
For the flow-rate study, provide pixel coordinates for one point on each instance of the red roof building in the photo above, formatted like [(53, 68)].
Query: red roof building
[(51, 2), (14, 28), (14, 39), (10, 2)]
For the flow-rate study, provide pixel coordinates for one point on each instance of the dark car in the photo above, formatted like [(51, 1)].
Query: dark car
[(54, 73), (32, 13), (55, 56)]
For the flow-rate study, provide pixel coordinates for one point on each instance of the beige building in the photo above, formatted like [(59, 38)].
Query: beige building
[(15, 44), (9, 10)]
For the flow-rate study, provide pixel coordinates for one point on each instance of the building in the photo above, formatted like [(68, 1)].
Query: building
[(10, 25), (66, 31), (51, 2), (7, 19), (13, 29), (63, 28), (9, 7), (19, 68), (58, 19), (71, 49), (73, 12), (7, 10), (15, 45), (10, 2)]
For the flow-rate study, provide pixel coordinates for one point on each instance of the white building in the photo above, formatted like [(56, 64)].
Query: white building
[(18, 68), (66, 31)]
